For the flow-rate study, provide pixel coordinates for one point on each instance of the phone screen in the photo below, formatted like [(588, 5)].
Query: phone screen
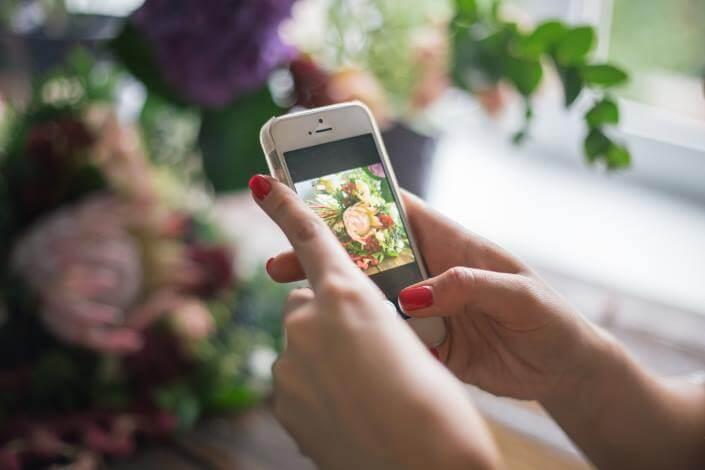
[(344, 182)]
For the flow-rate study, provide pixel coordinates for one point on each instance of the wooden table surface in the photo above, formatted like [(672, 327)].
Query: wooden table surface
[(255, 441)]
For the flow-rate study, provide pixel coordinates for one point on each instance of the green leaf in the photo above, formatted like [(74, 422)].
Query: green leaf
[(618, 157), (466, 11), (572, 84), (181, 400), (603, 75), (233, 398), (597, 144), (229, 141), (543, 39), (525, 74), (519, 137), (575, 45), (603, 113), (136, 55)]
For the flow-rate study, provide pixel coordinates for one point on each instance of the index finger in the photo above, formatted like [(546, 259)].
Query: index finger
[(319, 251)]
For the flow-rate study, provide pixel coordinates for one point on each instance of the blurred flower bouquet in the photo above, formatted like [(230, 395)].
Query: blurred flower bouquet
[(120, 313)]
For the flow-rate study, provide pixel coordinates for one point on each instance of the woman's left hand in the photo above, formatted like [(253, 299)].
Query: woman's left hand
[(354, 386)]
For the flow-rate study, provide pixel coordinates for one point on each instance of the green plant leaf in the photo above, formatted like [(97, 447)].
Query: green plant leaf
[(572, 84), (229, 141), (575, 45), (466, 11), (525, 74), (618, 157), (605, 75), (136, 55), (542, 39), (603, 113), (597, 144), (520, 137), (232, 398)]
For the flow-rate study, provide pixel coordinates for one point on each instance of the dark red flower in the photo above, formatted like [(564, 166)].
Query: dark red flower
[(9, 460), (55, 144), (160, 361), (386, 220), (215, 263), (372, 244), (310, 83)]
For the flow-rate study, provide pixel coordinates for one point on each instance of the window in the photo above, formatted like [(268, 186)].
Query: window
[(663, 45)]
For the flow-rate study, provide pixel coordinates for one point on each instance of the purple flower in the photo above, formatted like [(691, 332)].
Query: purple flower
[(217, 50), (377, 169)]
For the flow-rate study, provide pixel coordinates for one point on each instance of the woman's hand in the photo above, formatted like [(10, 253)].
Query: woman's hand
[(509, 333), (512, 335), (354, 386)]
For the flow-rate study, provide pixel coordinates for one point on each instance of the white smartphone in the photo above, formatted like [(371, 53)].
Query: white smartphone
[(335, 160)]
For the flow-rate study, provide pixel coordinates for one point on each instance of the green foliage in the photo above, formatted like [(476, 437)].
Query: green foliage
[(604, 75), (229, 140), (488, 50), (603, 113), (135, 54)]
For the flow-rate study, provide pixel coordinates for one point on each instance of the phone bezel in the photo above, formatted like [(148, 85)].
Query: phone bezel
[(298, 130)]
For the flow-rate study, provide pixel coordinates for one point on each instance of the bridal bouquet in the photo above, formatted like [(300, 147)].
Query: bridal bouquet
[(121, 313)]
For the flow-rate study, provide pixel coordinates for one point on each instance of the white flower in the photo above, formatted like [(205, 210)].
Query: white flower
[(260, 362)]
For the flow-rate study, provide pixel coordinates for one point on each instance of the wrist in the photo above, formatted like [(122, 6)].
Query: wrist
[(458, 437), (601, 360)]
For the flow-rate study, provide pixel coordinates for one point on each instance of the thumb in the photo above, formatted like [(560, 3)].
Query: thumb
[(463, 290)]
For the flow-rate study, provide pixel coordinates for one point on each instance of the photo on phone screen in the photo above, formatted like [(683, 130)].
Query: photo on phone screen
[(344, 182)]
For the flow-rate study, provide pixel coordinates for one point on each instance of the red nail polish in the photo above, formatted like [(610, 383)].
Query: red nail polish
[(268, 266), (260, 186), (415, 298)]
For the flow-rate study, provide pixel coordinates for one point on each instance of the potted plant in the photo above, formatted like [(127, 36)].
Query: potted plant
[(399, 57)]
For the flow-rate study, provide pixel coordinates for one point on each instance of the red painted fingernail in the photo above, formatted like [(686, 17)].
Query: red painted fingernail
[(268, 266), (435, 353), (260, 186), (415, 298)]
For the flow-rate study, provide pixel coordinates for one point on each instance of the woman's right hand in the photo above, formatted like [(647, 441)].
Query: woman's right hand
[(509, 333)]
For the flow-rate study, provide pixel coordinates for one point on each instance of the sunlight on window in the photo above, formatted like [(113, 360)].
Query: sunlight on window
[(661, 43)]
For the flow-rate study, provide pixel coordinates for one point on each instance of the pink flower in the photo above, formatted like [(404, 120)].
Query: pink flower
[(377, 169), (192, 320), (359, 221), (86, 267)]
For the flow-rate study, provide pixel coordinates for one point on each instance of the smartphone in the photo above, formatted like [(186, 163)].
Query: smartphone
[(335, 160)]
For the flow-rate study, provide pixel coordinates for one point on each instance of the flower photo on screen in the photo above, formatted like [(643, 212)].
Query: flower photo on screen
[(359, 207)]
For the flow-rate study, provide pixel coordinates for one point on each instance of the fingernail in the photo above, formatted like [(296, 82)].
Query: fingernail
[(415, 298), (268, 266), (260, 186)]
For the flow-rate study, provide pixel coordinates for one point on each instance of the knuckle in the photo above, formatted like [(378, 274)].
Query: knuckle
[(338, 289), (459, 276), (298, 296), (307, 229), (530, 288), (282, 204), (294, 322)]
